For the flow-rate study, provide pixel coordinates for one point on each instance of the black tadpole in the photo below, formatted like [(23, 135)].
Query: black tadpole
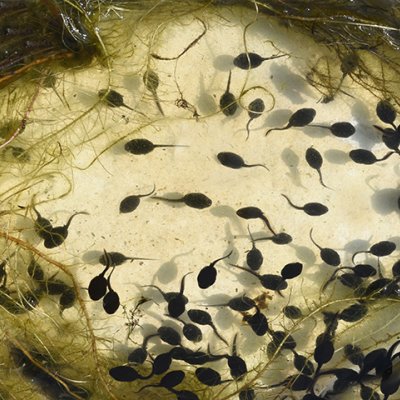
[(131, 203), (193, 200), (152, 81), (255, 109), (204, 318), (236, 364), (208, 376), (208, 274), (254, 213), (168, 381), (240, 303), (339, 129), (227, 101), (366, 157), (313, 209), (386, 112), (268, 281), (300, 118), (281, 238), (57, 235), (379, 249), (315, 160), (234, 161), (329, 256), (112, 98), (191, 331), (111, 301), (176, 300), (258, 322), (254, 257), (252, 60), (144, 146), (98, 286)]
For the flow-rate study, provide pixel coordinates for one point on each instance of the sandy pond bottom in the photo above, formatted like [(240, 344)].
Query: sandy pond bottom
[(75, 145)]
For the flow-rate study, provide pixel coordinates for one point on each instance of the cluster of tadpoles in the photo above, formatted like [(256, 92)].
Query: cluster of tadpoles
[(53, 236)]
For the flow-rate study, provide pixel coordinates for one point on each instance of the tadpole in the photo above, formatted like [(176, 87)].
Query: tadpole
[(98, 285), (236, 364), (191, 332), (208, 376), (313, 209), (112, 98), (386, 113), (234, 161), (240, 303), (366, 157), (315, 160), (268, 281), (144, 146), (255, 110), (339, 129), (204, 318), (329, 256), (131, 203), (193, 200), (227, 101), (56, 236), (168, 381), (152, 81), (252, 60), (298, 119), (208, 274), (252, 212), (258, 322), (111, 301), (254, 257), (379, 249)]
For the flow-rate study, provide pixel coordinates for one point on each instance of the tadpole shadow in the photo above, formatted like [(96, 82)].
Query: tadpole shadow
[(292, 160), (335, 156), (168, 271), (289, 84), (385, 201), (223, 62)]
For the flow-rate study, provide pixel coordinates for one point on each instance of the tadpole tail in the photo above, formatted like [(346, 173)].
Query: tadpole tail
[(157, 101), (356, 253), (263, 238), (275, 57), (319, 126), (256, 165), (140, 258), (314, 242), (328, 282), (150, 193), (247, 129), (277, 129), (73, 216), (265, 219), (321, 181), (221, 258), (386, 156), (166, 199), (171, 145), (182, 288), (245, 269), (218, 334), (229, 82), (289, 201)]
